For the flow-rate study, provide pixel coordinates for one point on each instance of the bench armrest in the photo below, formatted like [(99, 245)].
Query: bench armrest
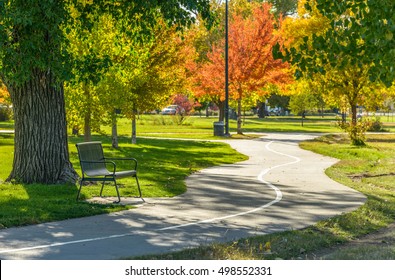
[(114, 166), (132, 159)]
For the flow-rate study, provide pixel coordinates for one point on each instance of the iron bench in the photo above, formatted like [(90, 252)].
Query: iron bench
[(94, 167)]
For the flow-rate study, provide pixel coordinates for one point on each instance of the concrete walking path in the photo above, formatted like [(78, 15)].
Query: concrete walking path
[(280, 187)]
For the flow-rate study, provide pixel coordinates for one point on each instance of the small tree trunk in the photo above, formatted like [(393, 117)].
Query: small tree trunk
[(221, 107), (262, 109), (134, 128), (354, 114), (354, 129), (239, 120), (87, 116), (344, 120), (87, 127), (41, 152), (114, 131)]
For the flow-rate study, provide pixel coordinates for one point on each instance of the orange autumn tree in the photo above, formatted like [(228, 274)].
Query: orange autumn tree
[(251, 63), (4, 95)]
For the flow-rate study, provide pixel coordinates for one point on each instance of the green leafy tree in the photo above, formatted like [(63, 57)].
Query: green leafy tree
[(277, 99), (342, 51), (152, 72), (34, 63), (93, 50), (364, 30), (301, 99), (283, 7)]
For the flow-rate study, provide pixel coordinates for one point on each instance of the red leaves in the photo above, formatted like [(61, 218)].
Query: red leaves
[(251, 63)]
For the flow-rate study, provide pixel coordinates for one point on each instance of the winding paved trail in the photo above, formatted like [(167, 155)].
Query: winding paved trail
[(280, 187)]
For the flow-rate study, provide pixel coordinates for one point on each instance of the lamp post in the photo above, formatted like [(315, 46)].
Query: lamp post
[(227, 134)]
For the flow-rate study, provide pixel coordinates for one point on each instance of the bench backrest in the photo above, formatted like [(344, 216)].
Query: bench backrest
[(91, 151)]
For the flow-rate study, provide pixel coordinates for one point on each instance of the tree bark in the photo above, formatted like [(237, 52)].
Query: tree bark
[(221, 107), (239, 120), (134, 128), (87, 127), (262, 109), (354, 114), (114, 131), (87, 116), (354, 130), (41, 152)]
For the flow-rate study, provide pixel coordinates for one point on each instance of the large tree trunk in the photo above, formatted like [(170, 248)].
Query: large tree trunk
[(41, 150)]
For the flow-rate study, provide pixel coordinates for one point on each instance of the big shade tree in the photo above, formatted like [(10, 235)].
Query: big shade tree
[(34, 63)]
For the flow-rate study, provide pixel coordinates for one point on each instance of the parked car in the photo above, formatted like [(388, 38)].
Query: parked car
[(173, 110)]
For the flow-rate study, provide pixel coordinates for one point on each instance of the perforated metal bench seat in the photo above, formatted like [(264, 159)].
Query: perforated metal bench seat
[(94, 167)]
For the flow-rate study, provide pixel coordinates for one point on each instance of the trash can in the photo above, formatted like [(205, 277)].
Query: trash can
[(219, 128)]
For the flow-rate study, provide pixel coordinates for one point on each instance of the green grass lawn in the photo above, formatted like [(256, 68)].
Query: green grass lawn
[(202, 128), (163, 166), (195, 127)]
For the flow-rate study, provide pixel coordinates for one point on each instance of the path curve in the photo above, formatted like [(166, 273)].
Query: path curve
[(280, 187)]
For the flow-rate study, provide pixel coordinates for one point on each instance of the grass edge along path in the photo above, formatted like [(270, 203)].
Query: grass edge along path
[(358, 167), (163, 166)]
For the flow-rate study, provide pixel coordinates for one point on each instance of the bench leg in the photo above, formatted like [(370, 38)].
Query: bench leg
[(116, 187), (79, 190), (138, 186), (102, 187)]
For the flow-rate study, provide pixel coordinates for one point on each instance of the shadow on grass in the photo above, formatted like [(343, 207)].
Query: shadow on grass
[(27, 204), (7, 125), (164, 164), (163, 167), (381, 138), (6, 139)]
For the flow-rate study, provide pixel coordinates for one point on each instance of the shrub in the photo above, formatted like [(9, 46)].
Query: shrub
[(357, 132), (5, 113), (374, 125)]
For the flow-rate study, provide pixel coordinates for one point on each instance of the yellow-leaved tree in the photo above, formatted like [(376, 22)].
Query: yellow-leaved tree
[(342, 80)]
